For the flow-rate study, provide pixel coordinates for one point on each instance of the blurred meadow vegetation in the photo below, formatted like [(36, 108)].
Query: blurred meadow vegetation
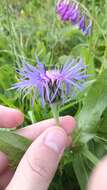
[(27, 26)]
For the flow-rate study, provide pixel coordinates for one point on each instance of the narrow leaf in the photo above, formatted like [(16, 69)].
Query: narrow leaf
[(90, 156), (14, 146), (80, 170)]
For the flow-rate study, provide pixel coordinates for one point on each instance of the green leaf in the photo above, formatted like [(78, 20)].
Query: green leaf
[(80, 170), (94, 104), (14, 146)]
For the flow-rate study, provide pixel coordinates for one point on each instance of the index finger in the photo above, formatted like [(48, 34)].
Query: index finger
[(34, 130)]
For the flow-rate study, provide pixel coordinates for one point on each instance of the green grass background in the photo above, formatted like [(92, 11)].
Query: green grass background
[(27, 26)]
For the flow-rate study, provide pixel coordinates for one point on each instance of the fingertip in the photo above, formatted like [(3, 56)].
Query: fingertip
[(68, 123), (56, 136), (10, 117), (19, 117), (14, 118)]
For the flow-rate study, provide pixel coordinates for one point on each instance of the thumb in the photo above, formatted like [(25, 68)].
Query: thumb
[(40, 162)]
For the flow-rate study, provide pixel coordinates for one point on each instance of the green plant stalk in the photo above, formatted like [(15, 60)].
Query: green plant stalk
[(55, 112)]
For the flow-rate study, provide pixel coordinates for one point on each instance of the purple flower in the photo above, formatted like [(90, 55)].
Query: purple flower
[(51, 85), (71, 11)]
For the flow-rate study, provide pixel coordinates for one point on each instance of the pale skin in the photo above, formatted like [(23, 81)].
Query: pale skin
[(38, 166)]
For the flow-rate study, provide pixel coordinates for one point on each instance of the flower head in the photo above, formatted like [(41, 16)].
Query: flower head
[(51, 85), (71, 11)]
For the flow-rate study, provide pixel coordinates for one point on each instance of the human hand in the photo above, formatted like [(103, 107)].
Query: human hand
[(38, 165), (98, 179)]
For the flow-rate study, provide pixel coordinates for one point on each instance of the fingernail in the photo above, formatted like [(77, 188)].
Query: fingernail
[(56, 140)]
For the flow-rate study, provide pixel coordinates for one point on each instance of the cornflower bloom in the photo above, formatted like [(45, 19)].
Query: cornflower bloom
[(71, 11), (51, 85)]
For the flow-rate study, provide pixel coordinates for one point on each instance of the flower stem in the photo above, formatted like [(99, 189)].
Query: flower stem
[(55, 112)]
